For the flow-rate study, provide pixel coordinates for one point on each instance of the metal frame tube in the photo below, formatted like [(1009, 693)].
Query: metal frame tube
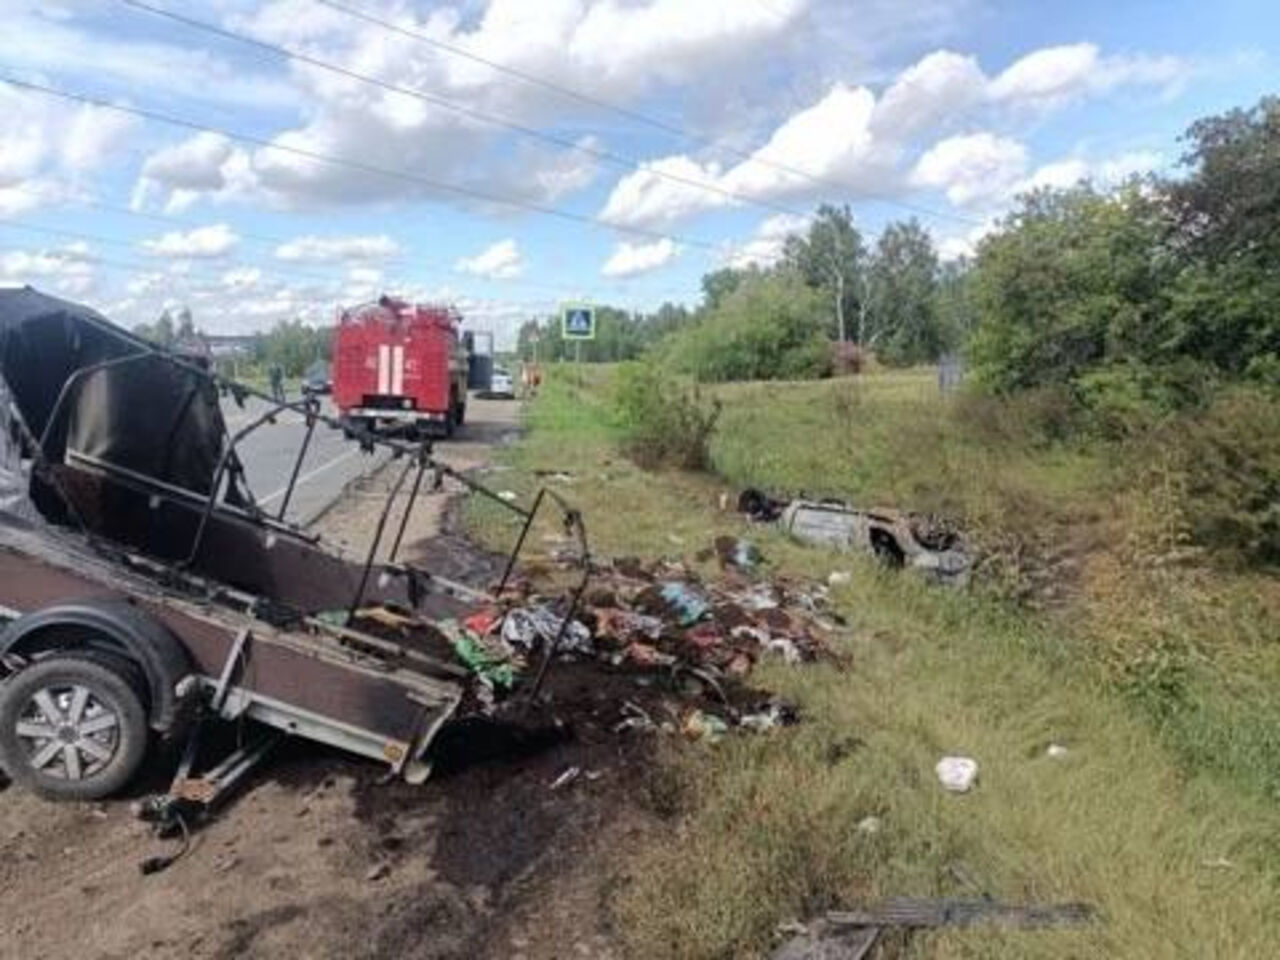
[(297, 465), (377, 540), (408, 507)]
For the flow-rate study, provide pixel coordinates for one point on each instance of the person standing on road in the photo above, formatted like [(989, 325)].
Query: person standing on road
[(276, 373)]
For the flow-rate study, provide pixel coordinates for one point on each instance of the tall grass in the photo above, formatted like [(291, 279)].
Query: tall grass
[(1160, 678)]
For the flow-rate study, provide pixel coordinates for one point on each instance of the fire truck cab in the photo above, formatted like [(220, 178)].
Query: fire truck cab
[(400, 367)]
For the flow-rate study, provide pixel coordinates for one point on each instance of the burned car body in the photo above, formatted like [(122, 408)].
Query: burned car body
[(145, 590), (897, 538)]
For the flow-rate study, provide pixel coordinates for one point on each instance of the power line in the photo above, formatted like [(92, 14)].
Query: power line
[(597, 153), (357, 165), (638, 117)]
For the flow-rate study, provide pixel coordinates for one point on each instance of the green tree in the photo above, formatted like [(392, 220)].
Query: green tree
[(1226, 300), (903, 287), (771, 327), (1072, 280), (831, 257)]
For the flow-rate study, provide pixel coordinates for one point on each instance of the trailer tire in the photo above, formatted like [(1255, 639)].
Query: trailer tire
[(97, 751)]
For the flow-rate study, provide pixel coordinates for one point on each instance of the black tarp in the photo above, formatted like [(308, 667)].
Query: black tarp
[(131, 408)]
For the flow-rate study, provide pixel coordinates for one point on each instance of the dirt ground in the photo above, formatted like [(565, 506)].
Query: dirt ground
[(319, 858)]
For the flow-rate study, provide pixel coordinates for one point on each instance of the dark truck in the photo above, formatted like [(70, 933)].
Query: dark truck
[(146, 594)]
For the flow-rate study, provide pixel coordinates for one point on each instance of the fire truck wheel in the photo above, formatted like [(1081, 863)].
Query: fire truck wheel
[(72, 726)]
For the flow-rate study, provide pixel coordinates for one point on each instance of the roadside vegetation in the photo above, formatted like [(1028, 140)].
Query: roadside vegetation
[(1114, 457)]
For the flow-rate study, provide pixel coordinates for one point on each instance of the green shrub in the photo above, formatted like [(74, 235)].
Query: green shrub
[(1227, 461), (768, 328), (664, 422)]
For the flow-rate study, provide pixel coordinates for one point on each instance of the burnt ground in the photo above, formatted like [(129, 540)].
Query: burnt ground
[(318, 857)]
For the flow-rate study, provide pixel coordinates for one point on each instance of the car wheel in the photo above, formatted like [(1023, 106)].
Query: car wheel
[(73, 726)]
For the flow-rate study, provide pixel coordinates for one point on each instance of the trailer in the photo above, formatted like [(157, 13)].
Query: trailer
[(401, 368), (146, 596)]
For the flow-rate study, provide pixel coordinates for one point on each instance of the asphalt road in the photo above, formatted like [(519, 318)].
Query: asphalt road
[(270, 451)]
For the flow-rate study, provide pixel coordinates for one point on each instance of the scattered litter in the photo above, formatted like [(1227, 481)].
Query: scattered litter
[(377, 872), (482, 622), (507, 495), (769, 716), (839, 578), (700, 725), (634, 718), (957, 774), (1221, 863), (1057, 751), (737, 554), (490, 666), (529, 627), (555, 476), (569, 775), (622, 625), (869, 825), (675, 597), (784, 648)]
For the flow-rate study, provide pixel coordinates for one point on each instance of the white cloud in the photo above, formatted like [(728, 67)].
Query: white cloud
[(45, 148), (194, 164), (647, 198), (615, 49), (974, 170), (216, 240), (501, 261), (70, 270), (941, 86), (1106, 173), (831, 139), (37, 40), (850, 137), (765, 246), (329, 249), (1053, 76), (632, 259)]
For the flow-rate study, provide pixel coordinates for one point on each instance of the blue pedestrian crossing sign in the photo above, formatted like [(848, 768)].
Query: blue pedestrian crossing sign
[(578, 322)]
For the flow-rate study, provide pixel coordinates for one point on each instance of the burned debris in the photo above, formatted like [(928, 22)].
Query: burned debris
[(123, 485)]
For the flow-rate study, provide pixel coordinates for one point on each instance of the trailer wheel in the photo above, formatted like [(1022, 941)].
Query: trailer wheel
[(73, 726)]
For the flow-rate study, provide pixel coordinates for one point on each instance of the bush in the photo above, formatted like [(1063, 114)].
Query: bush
[(1226, 464), (663, 421), (769, 328)]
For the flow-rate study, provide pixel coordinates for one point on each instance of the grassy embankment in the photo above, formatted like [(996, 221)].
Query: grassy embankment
[(1160, 679)]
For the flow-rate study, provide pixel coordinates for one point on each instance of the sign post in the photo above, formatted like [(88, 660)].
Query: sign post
[(578, 323)]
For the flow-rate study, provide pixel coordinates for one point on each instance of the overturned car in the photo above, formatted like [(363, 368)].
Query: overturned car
[(896, 538)]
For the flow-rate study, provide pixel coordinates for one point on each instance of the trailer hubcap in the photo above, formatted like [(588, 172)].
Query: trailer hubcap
[(68, 732)]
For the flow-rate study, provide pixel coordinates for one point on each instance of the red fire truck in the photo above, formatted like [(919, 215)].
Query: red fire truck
[(400, 367)]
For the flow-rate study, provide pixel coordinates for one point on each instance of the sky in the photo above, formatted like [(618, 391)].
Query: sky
[(264, 161)]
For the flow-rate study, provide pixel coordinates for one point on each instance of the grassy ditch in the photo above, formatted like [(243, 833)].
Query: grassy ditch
[(1159, 679)]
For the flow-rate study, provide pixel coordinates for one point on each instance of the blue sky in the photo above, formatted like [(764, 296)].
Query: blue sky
[(723, 125)]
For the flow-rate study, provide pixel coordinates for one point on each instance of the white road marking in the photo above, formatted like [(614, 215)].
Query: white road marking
[(309, 476)]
